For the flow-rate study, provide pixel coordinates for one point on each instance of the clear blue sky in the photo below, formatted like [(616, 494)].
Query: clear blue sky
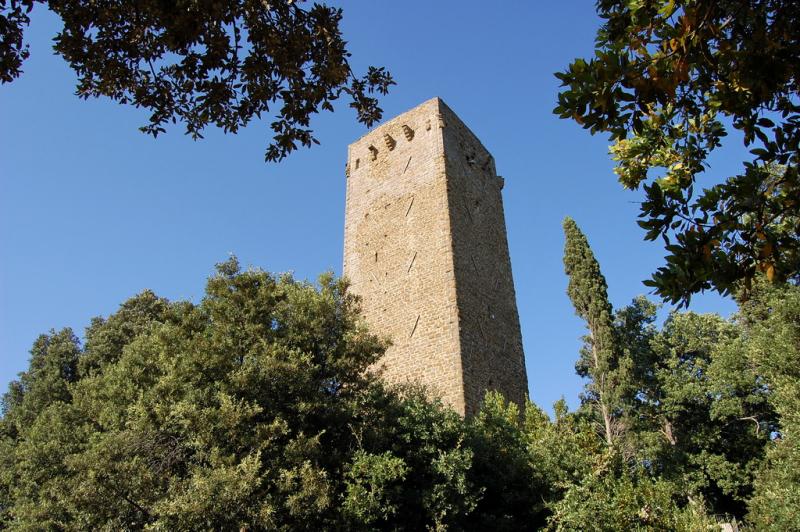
[(92, 211)]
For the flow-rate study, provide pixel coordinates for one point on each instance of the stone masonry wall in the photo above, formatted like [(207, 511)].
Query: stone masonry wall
[(425, 248), (490, 337)]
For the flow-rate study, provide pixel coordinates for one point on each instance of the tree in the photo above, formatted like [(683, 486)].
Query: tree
[(771, 320), (599, 360), (616, 497), (667, 80), (515, 484), (205, 63), (253, 409), (53, 367), (593, 487), (705, 417), (238, 411), (689, 416)]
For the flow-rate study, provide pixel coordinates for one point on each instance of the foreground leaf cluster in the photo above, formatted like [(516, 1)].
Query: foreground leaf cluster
[(668, 79), (205, 63)]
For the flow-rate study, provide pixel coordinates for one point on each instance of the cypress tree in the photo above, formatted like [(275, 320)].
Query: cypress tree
[(598, 361)]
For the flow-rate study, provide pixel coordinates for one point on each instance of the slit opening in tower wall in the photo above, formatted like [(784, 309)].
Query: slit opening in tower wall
[(434, 267)]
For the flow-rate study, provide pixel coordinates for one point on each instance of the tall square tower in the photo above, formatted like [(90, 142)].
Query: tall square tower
[(425, 247)]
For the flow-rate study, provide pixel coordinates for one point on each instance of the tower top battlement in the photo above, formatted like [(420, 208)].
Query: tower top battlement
[(430, 115)]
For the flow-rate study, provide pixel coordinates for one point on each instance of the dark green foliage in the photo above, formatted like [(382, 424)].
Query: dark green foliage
[(697, 421), (564, 451), (253, 409), (704, 416), (206, 63), (666, 78), (53, 367), (241, 410), (105, 339), (514, 486), (13, 19), (600, 361), (697, 414), (772, 323), (430, 440), (615, 497)]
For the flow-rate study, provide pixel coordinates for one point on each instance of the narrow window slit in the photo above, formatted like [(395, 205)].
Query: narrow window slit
[(410, 264), (415, 326)]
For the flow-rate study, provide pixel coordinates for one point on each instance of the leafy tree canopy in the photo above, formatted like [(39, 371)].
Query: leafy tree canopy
[(667, 79), (201, 63), (254, 409), (693, 417), (771, 320)]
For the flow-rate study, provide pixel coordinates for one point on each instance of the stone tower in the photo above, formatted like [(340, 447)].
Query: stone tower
[(425, 246)]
